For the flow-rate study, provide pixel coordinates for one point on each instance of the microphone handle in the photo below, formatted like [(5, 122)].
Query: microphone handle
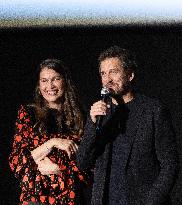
[(100, 117)]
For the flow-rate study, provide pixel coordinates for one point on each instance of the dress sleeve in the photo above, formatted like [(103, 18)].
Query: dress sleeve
[(20, 157), (69, 166)]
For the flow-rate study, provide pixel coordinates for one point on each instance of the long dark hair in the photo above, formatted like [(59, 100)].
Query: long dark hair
[(71, 113)]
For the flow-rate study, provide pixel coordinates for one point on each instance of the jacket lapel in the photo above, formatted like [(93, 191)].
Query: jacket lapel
[(127, 140)]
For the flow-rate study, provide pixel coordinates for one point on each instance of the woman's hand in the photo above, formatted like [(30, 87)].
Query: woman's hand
[(47, 167), (42, 151), (67, 145)]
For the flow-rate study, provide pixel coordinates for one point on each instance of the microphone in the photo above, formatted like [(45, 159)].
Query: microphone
[(105, 95)]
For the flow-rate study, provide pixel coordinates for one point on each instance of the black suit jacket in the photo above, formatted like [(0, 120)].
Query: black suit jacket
[(148, 156)]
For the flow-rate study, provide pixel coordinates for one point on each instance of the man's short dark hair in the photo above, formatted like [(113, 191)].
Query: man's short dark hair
[(127, 59)]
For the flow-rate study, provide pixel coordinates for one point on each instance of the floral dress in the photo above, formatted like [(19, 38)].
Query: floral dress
[(61, 189)]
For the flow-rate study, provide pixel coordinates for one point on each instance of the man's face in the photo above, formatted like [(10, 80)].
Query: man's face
[(114, 77)]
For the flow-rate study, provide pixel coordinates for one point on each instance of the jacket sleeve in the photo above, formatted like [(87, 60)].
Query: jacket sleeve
[(20, 157), (87, 149), (166, 150)]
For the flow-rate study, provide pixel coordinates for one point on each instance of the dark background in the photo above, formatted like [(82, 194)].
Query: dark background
[(158, 50)]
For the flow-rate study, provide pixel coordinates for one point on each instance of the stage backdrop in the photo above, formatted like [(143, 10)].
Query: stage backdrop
[(158, 52)]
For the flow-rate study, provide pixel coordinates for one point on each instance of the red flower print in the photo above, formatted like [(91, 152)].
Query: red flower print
[(54, 185), (25, 178), (20, 126), (24, 160), (38, 178), (36, 137), (15, 159), (42, 199), (21, 196), (18, 168), (62, 185), (26, 134), (27, 120), (31, 185), (33, 199), (18, 138), (52, 177), (65, 192), (21, 115), (51, 200), (70, 181), (72, 194), (35, 142), (75, 169)]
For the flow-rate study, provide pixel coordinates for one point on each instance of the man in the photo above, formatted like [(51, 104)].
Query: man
[(134, 153)]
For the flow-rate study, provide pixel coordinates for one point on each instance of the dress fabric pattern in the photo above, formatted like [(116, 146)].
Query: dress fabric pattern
[(54, 189)]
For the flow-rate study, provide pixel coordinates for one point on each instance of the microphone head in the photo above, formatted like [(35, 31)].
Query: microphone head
[(105, 91)]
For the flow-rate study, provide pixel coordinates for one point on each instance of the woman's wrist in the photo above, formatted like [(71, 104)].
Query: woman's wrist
[(53, 142), (42, 151), (50, 144)]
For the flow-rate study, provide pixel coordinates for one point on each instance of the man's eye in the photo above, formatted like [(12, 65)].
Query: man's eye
[(102, 74), (43, 80), (113, 71), (57, 79)]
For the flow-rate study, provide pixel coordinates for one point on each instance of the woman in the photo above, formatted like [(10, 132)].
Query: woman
[(46, 139)]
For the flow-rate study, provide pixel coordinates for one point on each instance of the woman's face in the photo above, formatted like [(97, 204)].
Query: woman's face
[(51, 85)]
